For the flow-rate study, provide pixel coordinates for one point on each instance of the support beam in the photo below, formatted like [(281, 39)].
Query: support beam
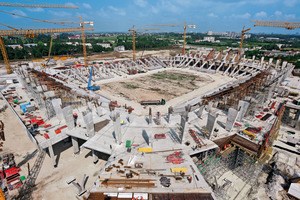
[(75, 145), (51, 153)]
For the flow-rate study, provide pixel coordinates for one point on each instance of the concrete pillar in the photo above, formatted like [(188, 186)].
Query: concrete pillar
[(210, 125), (200, 111), (170, 111), (68, 115), (117, 127), (182, 127), (75, 145), (150, 116), (243, 106), (95, 156), (277, 64), (89, 122), (51, 153), (231, 118), (146, 136)]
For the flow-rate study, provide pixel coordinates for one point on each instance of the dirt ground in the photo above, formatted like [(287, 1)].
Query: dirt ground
[(164, 85), (51, 182)]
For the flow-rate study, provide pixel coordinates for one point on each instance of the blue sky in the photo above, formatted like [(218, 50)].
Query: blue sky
[(120, 15)]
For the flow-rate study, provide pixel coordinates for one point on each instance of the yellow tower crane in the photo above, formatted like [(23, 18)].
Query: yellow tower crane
[(133, 36), (241, 43), (31, 33), (287, 25), (2, 44), (38, 5), (82, 33), (184, 33)]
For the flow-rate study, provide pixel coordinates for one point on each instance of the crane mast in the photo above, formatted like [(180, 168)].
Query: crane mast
[(133, 37), (83, 42), (184, 31)]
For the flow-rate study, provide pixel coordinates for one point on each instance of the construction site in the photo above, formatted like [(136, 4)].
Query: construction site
[(198, 125)]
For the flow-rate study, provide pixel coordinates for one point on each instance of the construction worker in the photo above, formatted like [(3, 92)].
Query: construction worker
[(75, 116)]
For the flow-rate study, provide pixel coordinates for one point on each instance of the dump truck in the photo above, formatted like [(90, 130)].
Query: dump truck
[(155, 102)]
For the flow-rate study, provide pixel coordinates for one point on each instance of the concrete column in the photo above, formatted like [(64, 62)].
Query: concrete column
[(200, 111), (117, 127), (75, 145), (150, 116), (182, 125), (95, 156), (231, 118), (211, 121), (243, 106), (170, 111), (277, 64), (51, 153)]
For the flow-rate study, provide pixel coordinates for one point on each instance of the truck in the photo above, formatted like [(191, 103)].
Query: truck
[(154, 102)]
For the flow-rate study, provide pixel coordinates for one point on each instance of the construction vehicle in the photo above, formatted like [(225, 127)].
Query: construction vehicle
[(92, 87), (157, 102), (184, 33), (133, 37)]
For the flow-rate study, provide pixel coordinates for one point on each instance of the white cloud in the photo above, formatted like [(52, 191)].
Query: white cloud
[(35, 9), (290, 3), (242, 16), (170, 6), (60, 14), (212, 15), (117, 10), (102, 13), (141, 3), (261, 14), (86, 5), (278, 13), (19, 12), (154, 9), (70, 4), (290, 16)]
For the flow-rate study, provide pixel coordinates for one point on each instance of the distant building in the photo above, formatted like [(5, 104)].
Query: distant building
[(209, 39), (105, 45), (272, 38), (112, 41), (209, 32), (15, 46), (89, 45), (246, 36), (30, 45), (74, 37), (119, 48)]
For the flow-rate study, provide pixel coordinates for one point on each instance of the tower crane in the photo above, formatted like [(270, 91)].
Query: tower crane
[(82, 33), (184, 33), (241, 43), (49, 54), (31, 33), (133, 36), (38, 5), (287, 25), (27, 32)]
